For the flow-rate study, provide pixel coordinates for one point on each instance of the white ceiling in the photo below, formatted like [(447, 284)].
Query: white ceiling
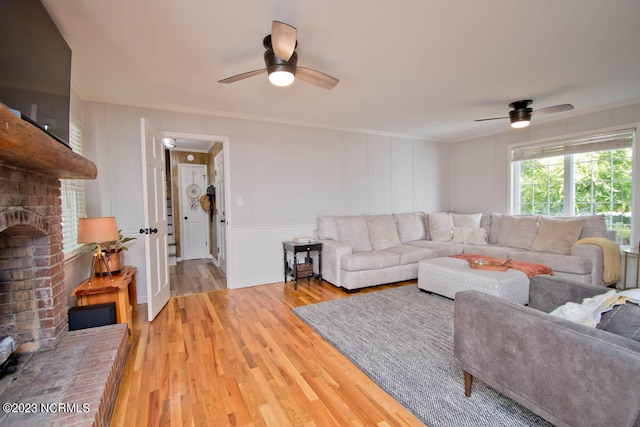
[(424, 68)]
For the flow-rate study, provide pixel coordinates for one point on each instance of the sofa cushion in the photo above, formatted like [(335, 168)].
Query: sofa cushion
[(439, 249), (440, 225), (327, 228), (557, 235), (382, 231), (518, 231), (489, 250), (410, 254), (622, 320), (411, 226), (471, 236), (558, 263), (353, 231), (370, 260), (495, 228), (466, 220)]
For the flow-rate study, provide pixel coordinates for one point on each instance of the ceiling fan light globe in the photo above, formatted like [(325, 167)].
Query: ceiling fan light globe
[(281, 78), (520, 124)]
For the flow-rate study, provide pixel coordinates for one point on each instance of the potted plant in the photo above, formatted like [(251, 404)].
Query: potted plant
[(113, 251)]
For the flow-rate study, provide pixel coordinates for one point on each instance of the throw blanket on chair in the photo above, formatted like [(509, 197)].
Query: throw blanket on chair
[(611, 257), (528, 268)]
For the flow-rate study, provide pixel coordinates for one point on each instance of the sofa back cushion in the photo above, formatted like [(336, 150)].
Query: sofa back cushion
[(383, 233), (518, 231), (440, 226), (466, 220), (411, 226), (353, 231), (557, 235), (594, 225), (327, 228)]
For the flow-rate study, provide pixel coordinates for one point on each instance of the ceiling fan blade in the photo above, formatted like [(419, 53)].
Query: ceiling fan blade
[(554, 109), (316, 78), (493, 118), (242, 76), (283, 39)]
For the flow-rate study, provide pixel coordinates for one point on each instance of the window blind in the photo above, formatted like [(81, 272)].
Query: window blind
[(599, 142), (72, 195)]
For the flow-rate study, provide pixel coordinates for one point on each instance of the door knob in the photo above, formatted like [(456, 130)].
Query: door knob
[(144, 231), (153, 230)]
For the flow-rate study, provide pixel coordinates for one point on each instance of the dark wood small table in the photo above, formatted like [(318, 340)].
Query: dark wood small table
[(296, 248), (122, 291)]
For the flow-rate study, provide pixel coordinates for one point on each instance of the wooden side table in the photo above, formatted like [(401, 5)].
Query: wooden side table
[(630, 253), (122, 291)]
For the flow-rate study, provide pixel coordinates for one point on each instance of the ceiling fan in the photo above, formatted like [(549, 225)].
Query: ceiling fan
[(521, 114), (281, 60)]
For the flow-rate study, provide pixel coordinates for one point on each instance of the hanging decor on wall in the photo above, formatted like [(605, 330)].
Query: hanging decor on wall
[(193, 192)]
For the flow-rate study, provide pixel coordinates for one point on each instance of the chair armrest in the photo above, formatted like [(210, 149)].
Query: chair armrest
[(546, 293), (567, 373)]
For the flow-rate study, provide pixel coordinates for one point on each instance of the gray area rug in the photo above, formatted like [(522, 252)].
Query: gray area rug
[(403, 339)]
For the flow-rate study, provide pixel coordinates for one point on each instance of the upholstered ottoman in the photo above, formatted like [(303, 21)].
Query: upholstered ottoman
[(445, 276)]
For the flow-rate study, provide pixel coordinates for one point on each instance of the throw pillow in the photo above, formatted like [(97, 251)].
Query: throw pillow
[(594, 225), (411, 226), (353, 231), (466, 221), (557, 235), (518, 231), (382, 231), (469, 236), (327, 228), (440, 225)]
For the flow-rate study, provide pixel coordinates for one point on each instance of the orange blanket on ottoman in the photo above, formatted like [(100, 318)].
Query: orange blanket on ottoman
[(528, 268)]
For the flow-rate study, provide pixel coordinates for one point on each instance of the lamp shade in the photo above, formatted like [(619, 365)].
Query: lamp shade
[(97, 230)]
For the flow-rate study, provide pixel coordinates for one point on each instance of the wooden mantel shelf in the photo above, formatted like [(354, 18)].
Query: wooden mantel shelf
[(24, 146)]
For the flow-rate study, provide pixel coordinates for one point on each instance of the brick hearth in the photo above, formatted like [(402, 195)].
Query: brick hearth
[(82, 373)]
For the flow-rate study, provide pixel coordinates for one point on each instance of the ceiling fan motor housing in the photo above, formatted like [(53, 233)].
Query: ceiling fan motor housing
[(521, 111), (274, 63)]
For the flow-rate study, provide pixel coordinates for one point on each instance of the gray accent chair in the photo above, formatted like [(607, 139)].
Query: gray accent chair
[(568, 373)]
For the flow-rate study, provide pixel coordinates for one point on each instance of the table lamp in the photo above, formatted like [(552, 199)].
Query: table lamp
[(97, 231)]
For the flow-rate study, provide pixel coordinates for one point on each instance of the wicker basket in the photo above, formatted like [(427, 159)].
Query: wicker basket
[(304, 269)]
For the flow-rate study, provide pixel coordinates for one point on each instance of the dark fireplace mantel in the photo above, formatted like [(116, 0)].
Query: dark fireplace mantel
[(24, 146)]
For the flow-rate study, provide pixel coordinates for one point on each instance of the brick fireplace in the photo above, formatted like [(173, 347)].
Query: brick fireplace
[(33, 306), (76, 368)]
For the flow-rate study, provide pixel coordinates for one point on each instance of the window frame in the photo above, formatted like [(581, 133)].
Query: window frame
[(71, 248), (568, 208)]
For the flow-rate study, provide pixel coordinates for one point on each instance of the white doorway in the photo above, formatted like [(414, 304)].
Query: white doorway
[(219, 216), (194, 235)]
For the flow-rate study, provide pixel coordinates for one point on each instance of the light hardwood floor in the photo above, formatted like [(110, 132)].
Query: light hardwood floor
[(194, 276), (242, 358)]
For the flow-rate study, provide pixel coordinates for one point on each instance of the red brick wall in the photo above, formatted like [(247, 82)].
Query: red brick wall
[(32, 299)]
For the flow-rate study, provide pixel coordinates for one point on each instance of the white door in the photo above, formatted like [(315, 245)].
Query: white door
[(194, 227), (155, 228), (219, 218)]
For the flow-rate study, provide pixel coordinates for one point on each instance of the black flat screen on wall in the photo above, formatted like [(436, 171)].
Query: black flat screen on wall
[(35, 66)]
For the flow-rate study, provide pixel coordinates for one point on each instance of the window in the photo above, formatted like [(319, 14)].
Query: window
[(577, 176), (72, 194)]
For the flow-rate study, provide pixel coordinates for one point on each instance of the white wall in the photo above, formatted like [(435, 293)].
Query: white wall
[(285, 175)]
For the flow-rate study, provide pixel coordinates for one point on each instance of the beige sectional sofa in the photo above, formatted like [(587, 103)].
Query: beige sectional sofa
[(368, 250)]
